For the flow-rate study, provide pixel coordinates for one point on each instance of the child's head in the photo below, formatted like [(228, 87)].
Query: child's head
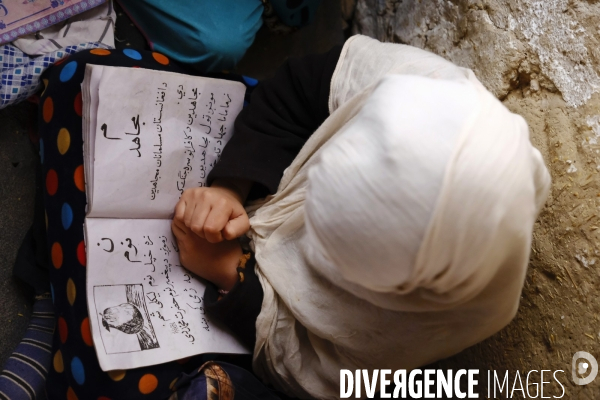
[(434, 184)]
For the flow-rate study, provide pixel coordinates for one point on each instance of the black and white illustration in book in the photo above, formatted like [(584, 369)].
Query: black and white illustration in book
[(122, 312)]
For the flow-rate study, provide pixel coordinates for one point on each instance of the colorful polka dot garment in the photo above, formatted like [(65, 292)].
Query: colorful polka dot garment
[(75, 372)]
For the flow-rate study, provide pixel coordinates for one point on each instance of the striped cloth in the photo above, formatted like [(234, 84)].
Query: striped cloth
[(24, 374)]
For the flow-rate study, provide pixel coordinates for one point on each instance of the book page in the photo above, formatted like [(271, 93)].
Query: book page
[(156, 134), (89, 95), (145, 308)]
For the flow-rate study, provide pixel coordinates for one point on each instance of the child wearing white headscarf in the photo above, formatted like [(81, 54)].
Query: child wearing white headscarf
[(400, 233)]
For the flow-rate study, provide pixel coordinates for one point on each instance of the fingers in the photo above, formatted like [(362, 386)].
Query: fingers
[(214, 214), (178, 229), (188, 214), (216, 222), (193, 208), (236, 227), (180, 210), (198, 219)]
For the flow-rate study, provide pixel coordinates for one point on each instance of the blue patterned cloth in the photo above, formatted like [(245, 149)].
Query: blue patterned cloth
[(20, 73)]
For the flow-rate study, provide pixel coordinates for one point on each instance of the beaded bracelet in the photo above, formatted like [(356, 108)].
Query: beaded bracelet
[(240, 270)]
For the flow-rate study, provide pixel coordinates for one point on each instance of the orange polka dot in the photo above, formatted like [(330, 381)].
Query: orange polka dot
[(51, 182), (81, 253), (116, 375), (147, 384), (100, 52), (79, 178), (86, 333), (48, 109), (59, 365), (71, 394), (71, 291), (78, 104), (57, 255), (63, 332), (161, 59)]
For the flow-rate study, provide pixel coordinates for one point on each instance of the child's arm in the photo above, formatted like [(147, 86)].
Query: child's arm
[(215, 262), (229, 270), (239, 308)]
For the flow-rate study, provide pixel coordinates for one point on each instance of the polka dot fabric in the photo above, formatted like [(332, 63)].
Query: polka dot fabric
[(75, 372)]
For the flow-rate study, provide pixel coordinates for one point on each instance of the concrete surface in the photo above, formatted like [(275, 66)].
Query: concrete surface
[(17, 189)]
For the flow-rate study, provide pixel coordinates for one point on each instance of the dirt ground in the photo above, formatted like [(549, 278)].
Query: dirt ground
[(541, 58)]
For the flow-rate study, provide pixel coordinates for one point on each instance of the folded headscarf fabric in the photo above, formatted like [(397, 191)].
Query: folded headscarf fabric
[(401, 233)]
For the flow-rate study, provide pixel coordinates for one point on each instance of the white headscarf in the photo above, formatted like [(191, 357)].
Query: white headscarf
[(401, 233)]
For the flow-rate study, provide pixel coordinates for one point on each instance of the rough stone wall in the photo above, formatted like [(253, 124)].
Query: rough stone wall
[(542, 59)]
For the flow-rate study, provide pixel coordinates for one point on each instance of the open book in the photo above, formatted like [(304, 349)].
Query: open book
[(148, 135)]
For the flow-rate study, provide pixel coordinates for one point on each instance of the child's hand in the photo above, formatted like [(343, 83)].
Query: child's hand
[(215, 213), (215, 262)]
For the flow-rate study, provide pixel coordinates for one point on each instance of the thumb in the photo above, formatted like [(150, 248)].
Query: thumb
[(236, 227)]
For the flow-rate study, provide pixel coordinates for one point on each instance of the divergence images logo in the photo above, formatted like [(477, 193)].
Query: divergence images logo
[(582, 364)]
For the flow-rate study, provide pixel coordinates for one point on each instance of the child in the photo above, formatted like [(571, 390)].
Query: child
[(400, 233)]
